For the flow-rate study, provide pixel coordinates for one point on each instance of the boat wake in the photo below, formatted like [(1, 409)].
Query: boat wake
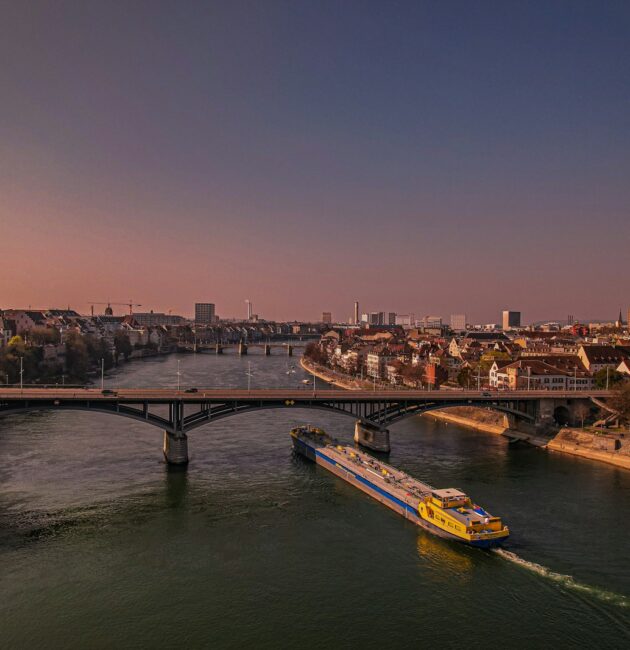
[(565, 580)]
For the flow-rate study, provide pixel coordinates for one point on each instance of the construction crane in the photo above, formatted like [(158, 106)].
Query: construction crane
[(109, 303)]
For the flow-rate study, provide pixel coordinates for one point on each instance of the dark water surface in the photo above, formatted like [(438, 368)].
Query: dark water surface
[(102, 547)]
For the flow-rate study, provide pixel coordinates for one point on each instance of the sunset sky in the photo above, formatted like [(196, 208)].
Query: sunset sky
[(434, 157)]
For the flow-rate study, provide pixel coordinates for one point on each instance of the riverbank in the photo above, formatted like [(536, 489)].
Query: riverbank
[(600, 447), (606, 448), (332, 377)]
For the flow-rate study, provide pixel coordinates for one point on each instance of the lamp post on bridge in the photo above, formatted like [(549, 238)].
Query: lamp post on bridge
[(179, 374), (249, 376), (102, 373)]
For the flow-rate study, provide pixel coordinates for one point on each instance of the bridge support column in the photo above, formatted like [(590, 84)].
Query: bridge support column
[(242, 348), (218, 349), (267, 350), (176, 448), (509, 421), (290, 350), (372, 437)]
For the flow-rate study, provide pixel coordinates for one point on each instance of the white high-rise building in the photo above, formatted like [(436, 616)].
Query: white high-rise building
[(458, 322)]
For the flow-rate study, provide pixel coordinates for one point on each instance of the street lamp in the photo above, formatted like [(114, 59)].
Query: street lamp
[(21, 373), (102, 373), (249, 376), (179, 374)]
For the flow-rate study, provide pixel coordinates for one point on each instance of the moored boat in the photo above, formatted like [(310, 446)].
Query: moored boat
[(448, 513)]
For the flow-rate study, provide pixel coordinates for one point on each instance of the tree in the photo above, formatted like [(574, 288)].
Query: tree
[(608, 378), (122, 344), (43, 335), (582, 411), (413, 374), (465, 377), (77, 358), (488, 358), (98, 349), (17, 355), (620, 400), (315, 353)]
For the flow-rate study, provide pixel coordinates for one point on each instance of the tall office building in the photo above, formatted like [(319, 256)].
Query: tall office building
[(204, 312), (391, 318), (405, 320), (327, 317), (356, 313), (377, 318), (458, 322), (511, 320), (432, 322), (250, 309)]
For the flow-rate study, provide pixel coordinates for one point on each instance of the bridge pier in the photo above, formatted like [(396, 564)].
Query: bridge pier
[(242, 348), (290, 350), (175, 448), (372, 437), (267, 350), (218, 349)]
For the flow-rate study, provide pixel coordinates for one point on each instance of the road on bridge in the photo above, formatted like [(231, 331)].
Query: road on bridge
[(275, 394)]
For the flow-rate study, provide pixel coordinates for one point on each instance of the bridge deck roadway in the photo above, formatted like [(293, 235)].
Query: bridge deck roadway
[(164, 395)]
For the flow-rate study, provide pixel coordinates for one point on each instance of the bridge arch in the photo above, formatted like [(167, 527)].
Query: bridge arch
[(133, 414), (389, 414)]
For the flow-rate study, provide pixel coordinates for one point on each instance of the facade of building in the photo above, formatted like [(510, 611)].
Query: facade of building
[(326, 318), (511, 320), (405, 320), (597, 357), (376, 363), (391, 318), (204, 312), (356, 314), (458, 322), (377, 318), (152, 318)]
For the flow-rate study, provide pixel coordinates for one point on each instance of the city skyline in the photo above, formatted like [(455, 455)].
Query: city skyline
[(477, 153)]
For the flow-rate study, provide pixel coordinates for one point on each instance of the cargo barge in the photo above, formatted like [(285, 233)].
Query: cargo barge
[(447, 513)]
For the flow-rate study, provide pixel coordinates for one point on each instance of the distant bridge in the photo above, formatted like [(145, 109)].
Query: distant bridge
[(242, 347), (177, 412)]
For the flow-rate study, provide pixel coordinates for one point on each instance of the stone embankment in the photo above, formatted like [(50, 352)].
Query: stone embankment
[(610, 448)]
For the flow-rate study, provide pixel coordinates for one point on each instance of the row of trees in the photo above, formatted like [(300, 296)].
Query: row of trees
[(315, 353), (82, 353)]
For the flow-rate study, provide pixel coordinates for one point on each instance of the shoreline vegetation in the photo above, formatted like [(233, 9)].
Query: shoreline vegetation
[(575, 442)]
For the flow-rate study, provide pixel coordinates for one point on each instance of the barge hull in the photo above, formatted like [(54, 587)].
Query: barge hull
[(363, 484)]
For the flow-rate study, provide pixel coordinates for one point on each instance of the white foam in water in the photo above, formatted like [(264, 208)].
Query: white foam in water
[(564, 580)]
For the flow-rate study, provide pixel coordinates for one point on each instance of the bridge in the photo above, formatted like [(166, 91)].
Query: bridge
[(177, 412), (241, 347)]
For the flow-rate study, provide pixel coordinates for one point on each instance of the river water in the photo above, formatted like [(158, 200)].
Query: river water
[(101, 546)]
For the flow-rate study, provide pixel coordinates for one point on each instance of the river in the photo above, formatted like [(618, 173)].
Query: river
[(101, 546)]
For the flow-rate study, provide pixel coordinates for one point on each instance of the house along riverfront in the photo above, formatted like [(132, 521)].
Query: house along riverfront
[(253, 546)]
